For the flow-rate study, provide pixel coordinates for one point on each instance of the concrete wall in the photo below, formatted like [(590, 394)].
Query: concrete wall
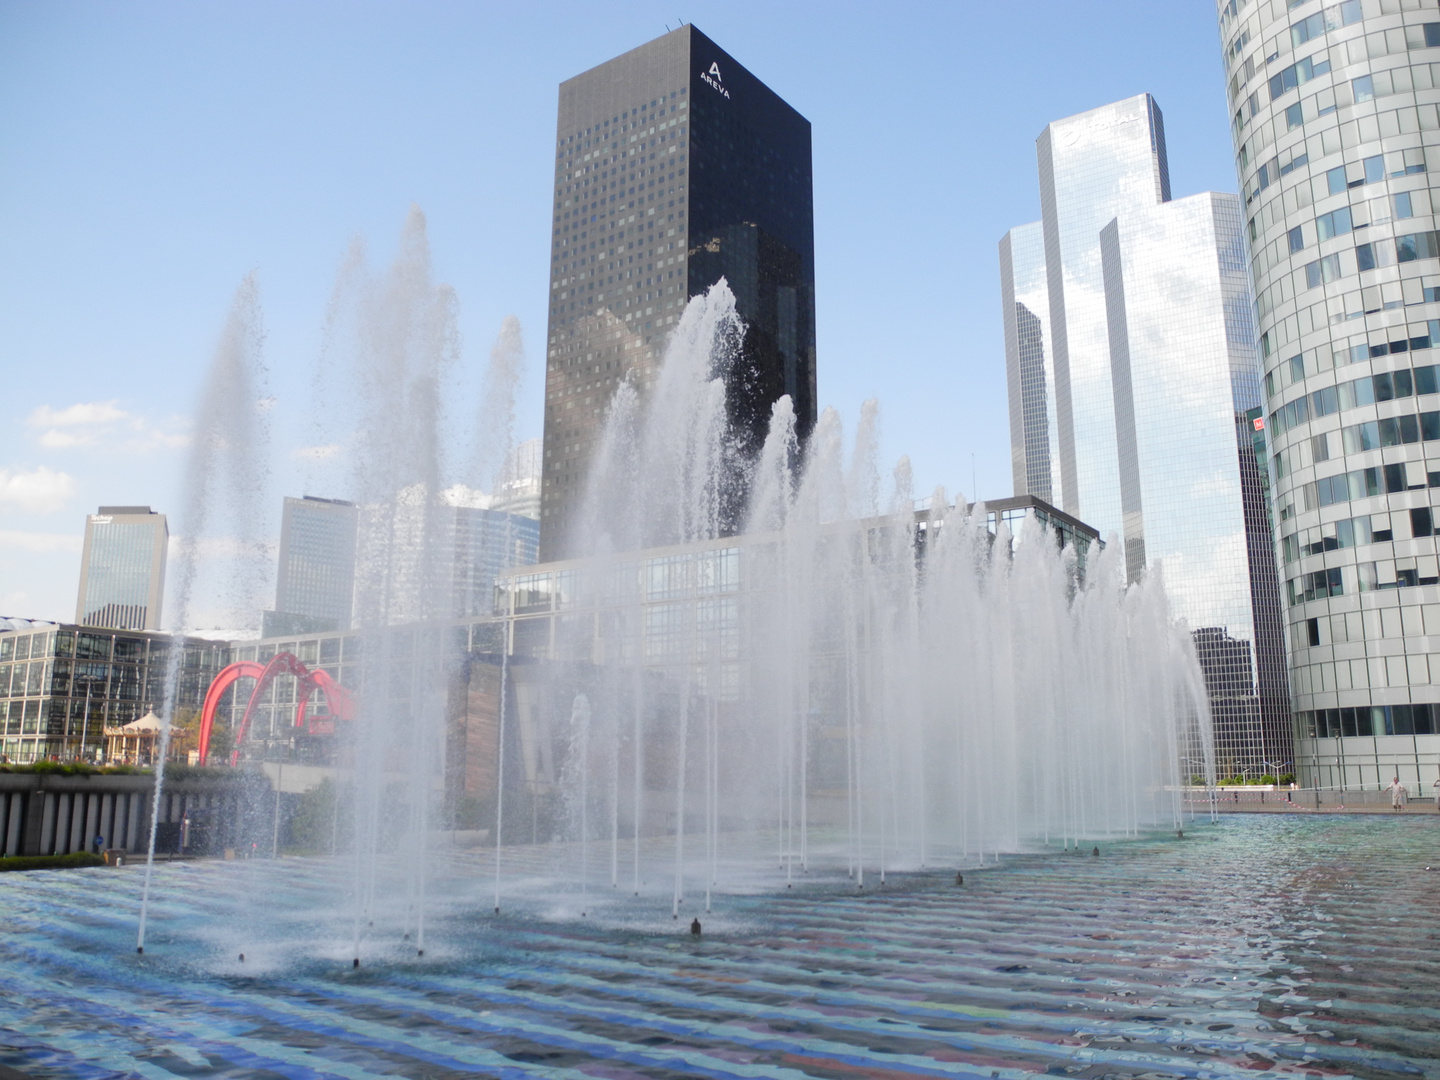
[(55, 814)]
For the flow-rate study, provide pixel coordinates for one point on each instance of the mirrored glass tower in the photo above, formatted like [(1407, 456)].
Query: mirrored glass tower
[(1029, 368), (315, 578), (1134, 384), (1093, 167)]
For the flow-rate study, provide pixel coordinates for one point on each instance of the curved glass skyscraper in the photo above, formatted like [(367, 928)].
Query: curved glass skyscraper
[(1334, 113)]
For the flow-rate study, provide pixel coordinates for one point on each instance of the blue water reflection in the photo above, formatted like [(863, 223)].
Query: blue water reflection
[(1292, 945)]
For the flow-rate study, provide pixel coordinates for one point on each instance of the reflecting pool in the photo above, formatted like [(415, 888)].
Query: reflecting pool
[(1299, 945)]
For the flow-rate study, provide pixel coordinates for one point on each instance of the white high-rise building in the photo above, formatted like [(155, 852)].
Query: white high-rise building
[(122, 568), (1335, 108), (519, 489)]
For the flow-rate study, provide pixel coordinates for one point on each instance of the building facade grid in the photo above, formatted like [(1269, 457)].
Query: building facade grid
[(1336, 121), (122, 568)]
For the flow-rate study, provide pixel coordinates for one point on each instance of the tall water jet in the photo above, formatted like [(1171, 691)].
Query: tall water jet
[(494, 447), (760, 669), (395, 336), (224, 484)]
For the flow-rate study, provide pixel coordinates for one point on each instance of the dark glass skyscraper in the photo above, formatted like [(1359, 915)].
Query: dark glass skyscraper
[(674, 167)]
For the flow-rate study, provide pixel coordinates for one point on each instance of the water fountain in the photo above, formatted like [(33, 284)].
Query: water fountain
[(771, 689), (841, 682), (765, 670)]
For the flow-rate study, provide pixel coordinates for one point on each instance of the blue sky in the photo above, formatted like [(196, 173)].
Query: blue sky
[(153, 154)]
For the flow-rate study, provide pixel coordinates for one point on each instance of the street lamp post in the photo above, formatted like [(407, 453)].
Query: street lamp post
[(85, 727), (1277, 766)]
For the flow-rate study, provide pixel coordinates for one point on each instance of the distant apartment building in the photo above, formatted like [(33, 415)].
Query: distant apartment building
[(122, 568), (1134, 383)]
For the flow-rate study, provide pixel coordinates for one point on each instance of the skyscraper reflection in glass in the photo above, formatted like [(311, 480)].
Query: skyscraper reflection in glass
[(1185, 375), (1093, 167), (1034, 432), (1134, 389)]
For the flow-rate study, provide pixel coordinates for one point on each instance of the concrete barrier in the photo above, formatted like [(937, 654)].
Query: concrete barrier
[(54, 813)]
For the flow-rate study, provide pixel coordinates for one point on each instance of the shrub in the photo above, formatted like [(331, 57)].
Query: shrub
[(51, 862), (74, 768), (1288, 778), (1266, 779)]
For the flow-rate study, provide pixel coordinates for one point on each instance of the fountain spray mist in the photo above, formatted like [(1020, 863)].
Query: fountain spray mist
[(225, 476), (394, 337), (813, 668)]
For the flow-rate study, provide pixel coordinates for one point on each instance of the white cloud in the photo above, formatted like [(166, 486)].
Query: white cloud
[(317, 453), (41, 491), (87, 414), (15, 540), (94, 422), (460, 495)]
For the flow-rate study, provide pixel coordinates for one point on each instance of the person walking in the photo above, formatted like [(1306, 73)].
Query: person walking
[(1397, 794), (1436, 786)]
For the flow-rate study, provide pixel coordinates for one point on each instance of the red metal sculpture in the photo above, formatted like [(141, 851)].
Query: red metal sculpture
[(342, 704)]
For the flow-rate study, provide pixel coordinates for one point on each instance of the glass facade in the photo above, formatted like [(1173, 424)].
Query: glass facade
[(60, 686), (1134, 390), (519, 490), (486, 543), (315, 579), (1334, 113), (122, 569), (1185, 375), (1029, 367), (674, 167), (1093, 167)]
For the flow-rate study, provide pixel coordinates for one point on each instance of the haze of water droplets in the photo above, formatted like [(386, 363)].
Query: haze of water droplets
[(823, 695)]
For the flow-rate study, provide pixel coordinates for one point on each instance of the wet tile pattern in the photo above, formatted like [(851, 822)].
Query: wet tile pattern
[(1258, 945)]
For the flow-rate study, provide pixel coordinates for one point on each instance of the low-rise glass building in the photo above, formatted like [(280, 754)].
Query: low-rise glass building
[(61, 685)]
